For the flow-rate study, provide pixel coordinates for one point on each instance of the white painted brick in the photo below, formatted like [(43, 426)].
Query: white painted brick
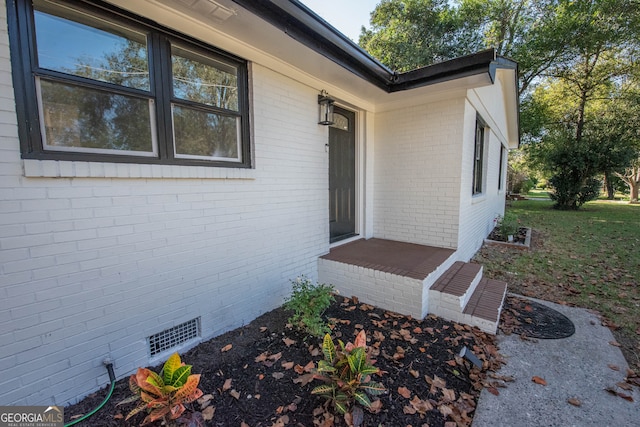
[(27, 265), (12, 230), (68, 192), (15, 347), (228, 241), (146, 237)]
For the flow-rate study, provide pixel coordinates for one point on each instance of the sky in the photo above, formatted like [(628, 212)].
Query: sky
[(346, 15)]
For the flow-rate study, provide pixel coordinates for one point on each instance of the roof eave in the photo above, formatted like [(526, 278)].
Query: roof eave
[(469, 65), (303, 25)]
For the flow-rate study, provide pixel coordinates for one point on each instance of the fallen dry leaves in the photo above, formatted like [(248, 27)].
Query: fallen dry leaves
[(404, 392), (288, 341), (436, 383), (614, 391), (208, 412), (538, 380), (574, 401)]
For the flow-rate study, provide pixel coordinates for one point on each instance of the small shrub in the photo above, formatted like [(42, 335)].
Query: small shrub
[(507, 225), (163, 395), (308, 302), (346, 371)]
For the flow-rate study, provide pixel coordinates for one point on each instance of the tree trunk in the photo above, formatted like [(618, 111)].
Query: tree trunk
[(608, 183), (632, 179)]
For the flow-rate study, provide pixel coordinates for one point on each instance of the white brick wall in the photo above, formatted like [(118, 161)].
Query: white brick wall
[(424, 169), (417, 177), (477, 213), (95, 257), (389, 291), (91, 266)]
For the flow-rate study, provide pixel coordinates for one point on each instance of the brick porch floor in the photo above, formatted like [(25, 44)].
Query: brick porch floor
[(402, 259), (414, 280)]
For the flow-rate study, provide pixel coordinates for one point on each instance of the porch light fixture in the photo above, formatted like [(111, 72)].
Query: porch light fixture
[(325, 109)]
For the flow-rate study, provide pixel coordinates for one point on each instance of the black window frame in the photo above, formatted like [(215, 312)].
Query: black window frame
[(25, 71), (503, 152), (479, 149)]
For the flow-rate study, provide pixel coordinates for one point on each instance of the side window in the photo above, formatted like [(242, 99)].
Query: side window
[(502, 166), (92, 83), (101, 86), (204, 108), (478, 156)]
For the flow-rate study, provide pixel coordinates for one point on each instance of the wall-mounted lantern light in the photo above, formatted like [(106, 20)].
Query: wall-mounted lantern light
[(325, 104)]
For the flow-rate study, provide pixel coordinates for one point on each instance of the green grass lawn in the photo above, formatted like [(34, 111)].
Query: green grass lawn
[(589, 258), (535, 192)]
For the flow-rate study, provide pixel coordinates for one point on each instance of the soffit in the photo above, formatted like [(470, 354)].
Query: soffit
[(228, 26)]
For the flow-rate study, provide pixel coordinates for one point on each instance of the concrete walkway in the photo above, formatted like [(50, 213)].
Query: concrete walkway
[(576, 367)]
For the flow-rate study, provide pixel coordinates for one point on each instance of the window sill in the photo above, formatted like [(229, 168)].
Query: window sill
[(478, 198), (73, 169)]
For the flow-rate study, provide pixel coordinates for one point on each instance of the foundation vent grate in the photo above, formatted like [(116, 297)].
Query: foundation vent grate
[(173, 337)]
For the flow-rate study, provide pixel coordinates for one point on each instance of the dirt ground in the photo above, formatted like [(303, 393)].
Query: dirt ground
[(258, 380)]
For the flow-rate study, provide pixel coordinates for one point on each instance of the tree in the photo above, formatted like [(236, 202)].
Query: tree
[(572, 115), (577, 130), (625, 126), (520, 177), (407, 34), (572, 55), (631, 177)]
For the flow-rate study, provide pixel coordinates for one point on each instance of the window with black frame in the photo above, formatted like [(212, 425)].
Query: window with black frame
[(103, 86), (503, 158), (478, 157)]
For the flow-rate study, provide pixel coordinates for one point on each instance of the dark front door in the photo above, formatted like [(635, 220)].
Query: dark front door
[(342, 175)]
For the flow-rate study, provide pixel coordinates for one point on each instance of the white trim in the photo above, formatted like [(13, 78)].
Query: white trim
[(77, 169), (359, 165), (345, 241)]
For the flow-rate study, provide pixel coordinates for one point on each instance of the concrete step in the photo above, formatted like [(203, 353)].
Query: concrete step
[(461, 294)]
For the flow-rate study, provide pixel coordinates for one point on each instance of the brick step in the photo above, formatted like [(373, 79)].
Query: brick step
[(461, 294), (484, 307), (458, 283)]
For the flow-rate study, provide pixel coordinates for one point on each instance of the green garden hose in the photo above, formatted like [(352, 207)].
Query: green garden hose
[(112, 377)]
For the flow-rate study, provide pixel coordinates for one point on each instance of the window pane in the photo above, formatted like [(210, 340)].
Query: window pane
[(340, 122), (204, 80), (80, 119), (72, 42), (478, 159), (201, 134)]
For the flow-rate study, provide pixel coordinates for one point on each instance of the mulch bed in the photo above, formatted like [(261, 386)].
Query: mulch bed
[(530, 319), (519, 237), (252, 374)]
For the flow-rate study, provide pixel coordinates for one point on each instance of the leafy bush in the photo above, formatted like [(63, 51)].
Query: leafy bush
[(308, 302), (346, 371), (521, 185), (572, 166), (570, 193), (163, 395), (507, 225)]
